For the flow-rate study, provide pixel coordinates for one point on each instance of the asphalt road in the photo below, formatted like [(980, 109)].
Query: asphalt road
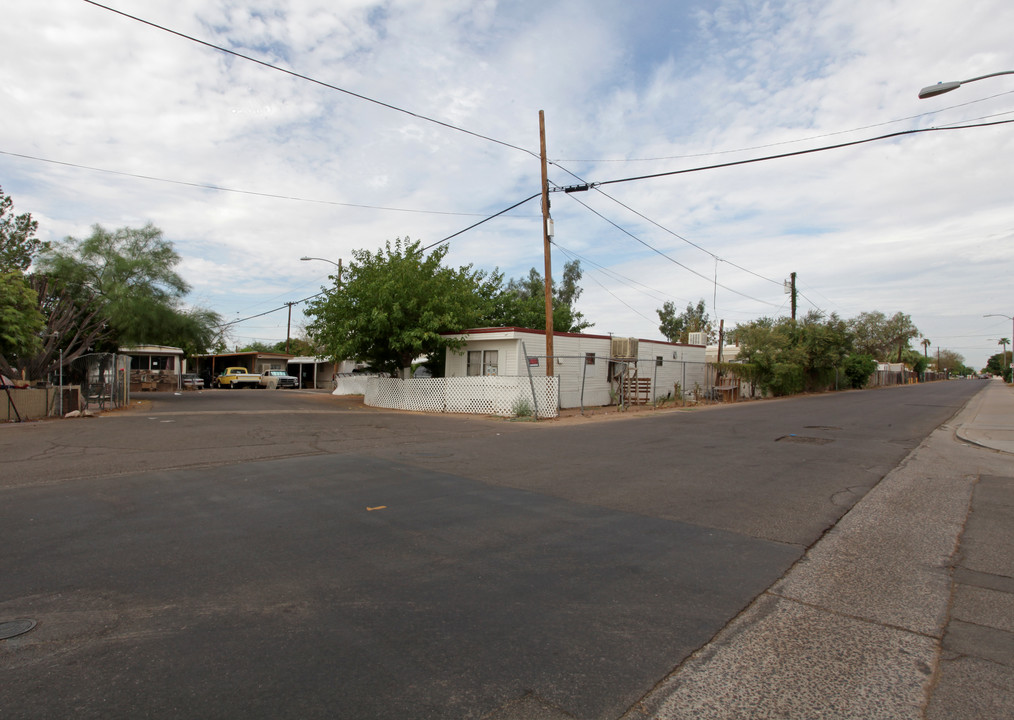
[(285, 554)]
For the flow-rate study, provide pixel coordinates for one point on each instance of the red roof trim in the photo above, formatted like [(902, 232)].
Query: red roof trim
[(530, 331)]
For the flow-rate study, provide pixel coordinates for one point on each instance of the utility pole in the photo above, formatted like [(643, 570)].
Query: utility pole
[(545, 244), (288, 327), (793, 279)]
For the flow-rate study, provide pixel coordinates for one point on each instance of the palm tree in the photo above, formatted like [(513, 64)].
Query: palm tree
[(1004, 342), (925, 345)]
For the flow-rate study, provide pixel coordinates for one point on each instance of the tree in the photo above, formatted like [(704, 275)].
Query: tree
[(884, 338), (21, 323), (785, 356), (951, 362), (858, 369), (677, 328), (394, 304), (111, 289), (523, 302), (132, 270), (18, 244), (999, 364), (925, 346)]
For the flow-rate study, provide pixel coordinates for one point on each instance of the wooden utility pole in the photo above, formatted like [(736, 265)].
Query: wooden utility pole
[(545, 244), (793, 278), (288, 327)]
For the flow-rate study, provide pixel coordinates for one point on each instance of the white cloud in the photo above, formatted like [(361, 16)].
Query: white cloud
[(919, 224)]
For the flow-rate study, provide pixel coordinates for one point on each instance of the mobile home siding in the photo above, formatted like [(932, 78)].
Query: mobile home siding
[(680, 363)]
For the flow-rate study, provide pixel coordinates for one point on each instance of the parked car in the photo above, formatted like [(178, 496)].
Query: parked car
[(235, 377), (277, 379), (192, 381)]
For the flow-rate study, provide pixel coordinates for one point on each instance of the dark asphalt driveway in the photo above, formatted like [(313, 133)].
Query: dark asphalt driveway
[(341, 562)]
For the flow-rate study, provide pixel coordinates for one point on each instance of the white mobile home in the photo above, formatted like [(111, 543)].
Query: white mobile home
[(593, 370)]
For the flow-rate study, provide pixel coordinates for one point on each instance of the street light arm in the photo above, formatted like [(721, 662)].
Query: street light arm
[(944, 87), (337, 265)]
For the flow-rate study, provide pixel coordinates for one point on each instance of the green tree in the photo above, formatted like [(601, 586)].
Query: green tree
[(133, 271), (885, 338), (999, 364), (951, 362), (112, 289), (858, 369), (677, 327), (21, 322), (394, 304), (784, 356), (523, 302), (18, 244)]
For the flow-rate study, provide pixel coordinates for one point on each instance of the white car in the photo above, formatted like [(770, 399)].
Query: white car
[(278, 379)]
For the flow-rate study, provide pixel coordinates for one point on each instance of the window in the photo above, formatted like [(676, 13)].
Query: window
[(489, 362), (589, 358), (658, 361), (474, 363), (152, 362), (482, 362)]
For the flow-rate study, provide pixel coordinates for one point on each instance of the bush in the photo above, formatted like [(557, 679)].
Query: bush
[(858, 369), (787, 379), (521, 408)]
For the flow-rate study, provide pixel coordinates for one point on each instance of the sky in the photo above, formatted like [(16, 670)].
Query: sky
[(420, 118)]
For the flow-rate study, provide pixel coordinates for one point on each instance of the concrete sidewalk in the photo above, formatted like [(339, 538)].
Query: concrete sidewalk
[(905, 609)]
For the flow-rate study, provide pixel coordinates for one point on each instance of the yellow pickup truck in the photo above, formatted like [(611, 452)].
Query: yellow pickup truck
[(237, 377)]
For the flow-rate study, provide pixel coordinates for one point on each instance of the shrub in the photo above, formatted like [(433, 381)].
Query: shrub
[(858, 369)]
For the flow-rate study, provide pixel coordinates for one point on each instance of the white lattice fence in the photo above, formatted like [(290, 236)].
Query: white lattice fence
[(350, 385), (492, 395)]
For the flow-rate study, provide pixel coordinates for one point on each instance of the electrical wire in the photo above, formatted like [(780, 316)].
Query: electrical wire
[(618, 298), (307, 78), (670, 259), (316, 295), (791, 142), (617, 276), (796, 153), (475, 225), (219, 188), (662, 227)]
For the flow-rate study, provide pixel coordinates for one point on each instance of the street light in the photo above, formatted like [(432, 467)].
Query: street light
[(945, 87), (336, 264), (1012, 340)]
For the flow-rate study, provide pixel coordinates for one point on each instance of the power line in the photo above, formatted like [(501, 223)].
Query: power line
[(662, 227), (689, 242), (267, 312), (475, 225), (791, 142), (670, 259), (294, 74), (220, 188), (615, 275), (296, 302), (618, 298), (796, 153)]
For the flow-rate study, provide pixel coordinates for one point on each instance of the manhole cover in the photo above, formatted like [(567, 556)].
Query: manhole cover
[(804, 439), (13, 628)]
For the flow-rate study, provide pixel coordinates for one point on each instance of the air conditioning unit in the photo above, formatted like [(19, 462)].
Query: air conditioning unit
[(697, 338), (623, 348)]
